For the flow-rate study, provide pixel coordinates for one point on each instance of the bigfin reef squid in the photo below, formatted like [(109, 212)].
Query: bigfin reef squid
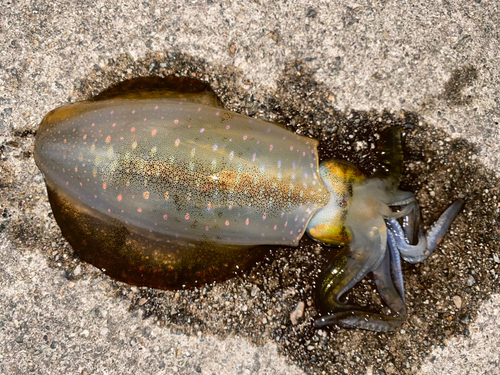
[(167, 189)]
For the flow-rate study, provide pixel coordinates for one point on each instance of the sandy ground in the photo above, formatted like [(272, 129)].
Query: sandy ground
[(316, 66)]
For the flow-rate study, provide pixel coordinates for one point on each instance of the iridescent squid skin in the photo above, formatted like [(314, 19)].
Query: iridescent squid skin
[(170, 192)]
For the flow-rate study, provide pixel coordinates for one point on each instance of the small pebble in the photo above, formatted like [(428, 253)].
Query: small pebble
[(464, 318), (297, 313), (77, 270), (471, 280), (255, 291), (457, 301), (85, 333)]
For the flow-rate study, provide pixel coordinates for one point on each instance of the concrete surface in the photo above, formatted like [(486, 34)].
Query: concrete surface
[(437, 59)]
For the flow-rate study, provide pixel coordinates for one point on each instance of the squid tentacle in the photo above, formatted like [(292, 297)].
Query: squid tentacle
[(403, 198), (410, 222), (352, 316), (346, 269), (441, 226), (396, 269), (370, 321), (386, 288), (410, 253), (426, 243), (405, 211)]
